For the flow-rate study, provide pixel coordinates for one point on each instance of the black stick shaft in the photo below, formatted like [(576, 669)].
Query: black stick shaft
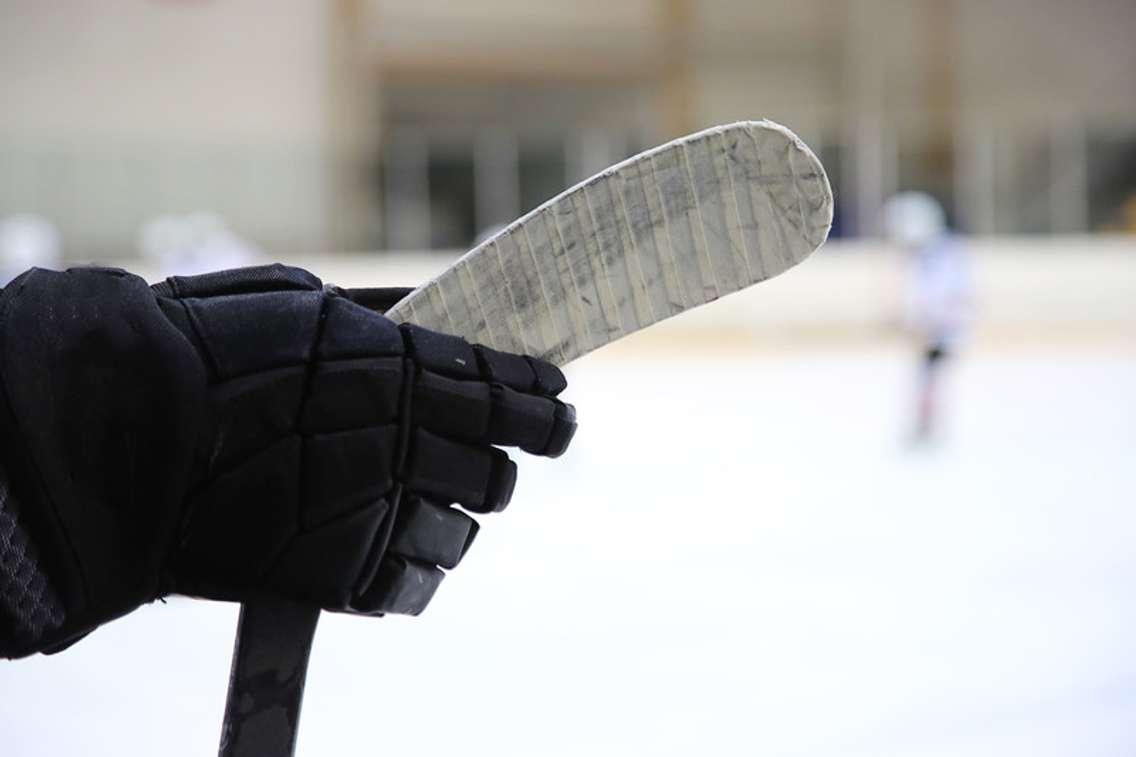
[(266, 686)]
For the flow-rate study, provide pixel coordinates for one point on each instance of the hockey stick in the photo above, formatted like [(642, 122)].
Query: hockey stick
[(266, 683), (660, 233)]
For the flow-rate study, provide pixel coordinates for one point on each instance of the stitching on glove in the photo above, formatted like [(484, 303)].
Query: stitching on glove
[(198, 330), (378, 548), (302, 474)]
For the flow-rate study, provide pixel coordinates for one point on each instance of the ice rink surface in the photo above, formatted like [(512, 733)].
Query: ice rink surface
[(739, 556)]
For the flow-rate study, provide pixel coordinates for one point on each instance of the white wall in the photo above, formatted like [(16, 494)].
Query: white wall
[(114, 110)]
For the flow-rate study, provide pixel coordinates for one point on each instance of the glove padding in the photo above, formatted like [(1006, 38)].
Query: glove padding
[(253, 432)]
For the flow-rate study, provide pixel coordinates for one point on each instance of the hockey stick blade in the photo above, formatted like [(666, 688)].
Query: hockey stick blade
[(660, 233)]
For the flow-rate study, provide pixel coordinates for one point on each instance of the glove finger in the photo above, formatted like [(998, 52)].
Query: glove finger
[(549, 379), (402, 586), (520, 372), (538, 425), (456, 357), (440, 353), (450, 407), (478, 412), (431, 533), (479, 478)]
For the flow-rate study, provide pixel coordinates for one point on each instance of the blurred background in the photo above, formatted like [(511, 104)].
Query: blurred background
[(753, 548), (390, 124)]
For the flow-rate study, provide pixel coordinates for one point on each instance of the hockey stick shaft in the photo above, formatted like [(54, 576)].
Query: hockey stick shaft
[(266, 684)]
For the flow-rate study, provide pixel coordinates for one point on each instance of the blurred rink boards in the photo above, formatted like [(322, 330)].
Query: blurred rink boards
[(1069, 291), (740, 555)]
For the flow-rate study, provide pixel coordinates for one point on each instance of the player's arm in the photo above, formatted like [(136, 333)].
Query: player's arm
[(242, 434)]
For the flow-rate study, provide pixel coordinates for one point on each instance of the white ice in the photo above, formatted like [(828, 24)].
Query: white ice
[(739, 556)]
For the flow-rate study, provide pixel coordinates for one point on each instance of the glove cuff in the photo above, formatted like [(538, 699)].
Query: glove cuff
[(100, 399)]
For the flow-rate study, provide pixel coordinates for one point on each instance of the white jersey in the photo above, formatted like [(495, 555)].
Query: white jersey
[(939, 284)]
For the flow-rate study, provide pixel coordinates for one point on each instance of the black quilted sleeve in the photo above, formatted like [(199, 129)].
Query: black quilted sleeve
[(29, 607)]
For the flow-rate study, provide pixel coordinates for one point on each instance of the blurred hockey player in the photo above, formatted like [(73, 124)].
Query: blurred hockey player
[(937, 307), (27, 241)]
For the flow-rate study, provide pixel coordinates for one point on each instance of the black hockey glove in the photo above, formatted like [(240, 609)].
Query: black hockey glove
[(239, 434)]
